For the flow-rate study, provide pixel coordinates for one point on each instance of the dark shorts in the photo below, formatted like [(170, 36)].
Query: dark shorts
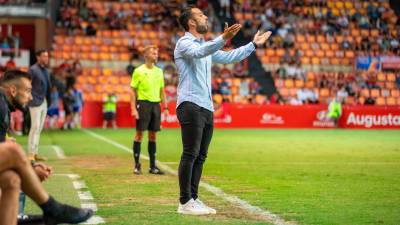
[(53, 112), (77, 109), (109, 116), (149, 116)]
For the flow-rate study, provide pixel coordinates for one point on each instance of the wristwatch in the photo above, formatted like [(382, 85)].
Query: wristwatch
[(255, 46)]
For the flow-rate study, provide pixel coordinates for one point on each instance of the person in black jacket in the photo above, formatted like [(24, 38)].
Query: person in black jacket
[(15, 170), (41, 92)]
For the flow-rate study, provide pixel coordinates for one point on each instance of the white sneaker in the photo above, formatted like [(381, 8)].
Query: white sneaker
[(192, 208), (211, 210)]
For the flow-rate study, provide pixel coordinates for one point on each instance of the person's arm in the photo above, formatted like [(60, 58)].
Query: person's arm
[(3, 125), (189, 49), (242, 52), (134, 85), (164, 102), (236, 55)]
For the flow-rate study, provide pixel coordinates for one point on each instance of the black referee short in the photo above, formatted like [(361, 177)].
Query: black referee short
[(149, 116)]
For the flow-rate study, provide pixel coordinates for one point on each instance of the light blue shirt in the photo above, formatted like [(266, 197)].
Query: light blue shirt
[(193, 58)]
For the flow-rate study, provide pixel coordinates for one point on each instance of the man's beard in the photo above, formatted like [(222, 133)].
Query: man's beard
[(18, 105), (201, 29)]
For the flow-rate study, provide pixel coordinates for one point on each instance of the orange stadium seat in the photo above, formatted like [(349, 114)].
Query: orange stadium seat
[(299, 83), (365, 92), (310, 84), (284, 92), (292, 92), (305, 60), (280, 52), (320, 53), (300, 38), (390, 84), (324, 92), (375, 93), (320, 38), (391, 77), (391, 101), (270, 52), (380, 101), (381, 77), (289, 83), (315, 60), (310, 38), (217, 98), (395, 93)]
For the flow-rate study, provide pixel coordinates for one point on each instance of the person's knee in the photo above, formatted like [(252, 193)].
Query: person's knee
[(10, 180), (139, 136), (202, 157), (189, 156), (17, 155), (152, 136), (35, 128)]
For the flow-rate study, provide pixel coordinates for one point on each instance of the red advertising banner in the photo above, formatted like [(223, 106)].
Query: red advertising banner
[(265, 116)]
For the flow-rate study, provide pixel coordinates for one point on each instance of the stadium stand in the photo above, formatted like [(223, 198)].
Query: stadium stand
[(314, 46)]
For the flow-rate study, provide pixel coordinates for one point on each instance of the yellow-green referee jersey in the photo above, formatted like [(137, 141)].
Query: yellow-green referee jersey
[(148, 83)]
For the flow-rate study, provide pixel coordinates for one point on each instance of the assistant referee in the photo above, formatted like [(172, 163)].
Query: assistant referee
[(148, 91)]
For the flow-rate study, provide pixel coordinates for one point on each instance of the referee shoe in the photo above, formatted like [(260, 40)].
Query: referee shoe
[(137, 170), (156, 170)]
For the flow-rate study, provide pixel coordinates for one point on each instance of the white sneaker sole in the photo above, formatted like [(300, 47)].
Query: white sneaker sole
[(212, 211), (198, 213)]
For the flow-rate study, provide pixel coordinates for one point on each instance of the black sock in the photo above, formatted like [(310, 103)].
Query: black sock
[(136, 151), (51, 207), (152, 154)]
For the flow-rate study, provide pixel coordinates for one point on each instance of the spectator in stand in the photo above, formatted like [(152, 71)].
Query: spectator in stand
[(369, 101), (53, 111), (5, 44), (398, 80), (109, 110), (254, 87), (91, 30), (291, 71), (225, 87), (10, 64), (372, 81), (225, 8), (69, 101), (77, 107), (244, 89), (281, 71), (342, 94), (300, 73), (335, 110)]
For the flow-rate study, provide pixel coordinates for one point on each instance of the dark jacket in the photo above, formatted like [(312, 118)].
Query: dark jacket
[(5, 109), (40, 77)]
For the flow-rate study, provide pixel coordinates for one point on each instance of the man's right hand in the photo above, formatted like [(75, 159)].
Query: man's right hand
[(135, 113), (230, 32), (42, 171)]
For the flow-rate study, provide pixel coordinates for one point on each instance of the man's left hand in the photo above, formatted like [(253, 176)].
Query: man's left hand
[(260, 39)]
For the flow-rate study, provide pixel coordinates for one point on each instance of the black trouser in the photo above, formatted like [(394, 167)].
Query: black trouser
[(197, 125)]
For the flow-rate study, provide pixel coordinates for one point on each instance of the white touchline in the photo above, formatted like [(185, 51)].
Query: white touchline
[(84, 196), (59, 152), (79, 185), (257, 211)]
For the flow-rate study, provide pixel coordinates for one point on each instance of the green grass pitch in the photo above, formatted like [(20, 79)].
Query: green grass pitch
[(305, 176)]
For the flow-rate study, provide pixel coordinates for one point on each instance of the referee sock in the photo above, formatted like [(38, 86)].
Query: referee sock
[(136, 151), (152, 154)]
